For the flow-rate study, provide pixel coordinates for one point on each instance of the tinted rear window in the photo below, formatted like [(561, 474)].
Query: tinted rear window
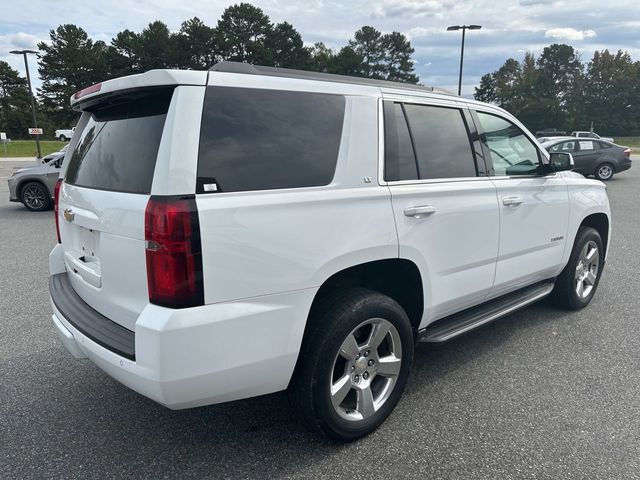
[(442, 142), (118, 146), (254, 139)]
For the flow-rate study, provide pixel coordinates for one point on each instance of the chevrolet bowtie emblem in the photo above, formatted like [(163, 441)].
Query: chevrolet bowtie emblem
[(68, 215)]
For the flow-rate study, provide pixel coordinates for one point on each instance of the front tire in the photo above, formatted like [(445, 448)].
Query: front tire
[(62, 138), (354, 363), (35, 197), (604, 172), (577, 284)]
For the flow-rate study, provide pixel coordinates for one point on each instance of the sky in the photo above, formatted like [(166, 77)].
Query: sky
[(509, 28)]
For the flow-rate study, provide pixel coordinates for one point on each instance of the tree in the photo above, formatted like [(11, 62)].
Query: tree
[(123, 54), (286, 47), (242, 32), (347, 62), (196, 45), (156, 47), (322, 58), (611, 93), (397, 58), (15, 106), (369, 45), (70, 62)]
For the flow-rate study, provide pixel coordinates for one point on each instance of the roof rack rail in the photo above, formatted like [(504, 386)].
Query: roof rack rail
[(249, 69)]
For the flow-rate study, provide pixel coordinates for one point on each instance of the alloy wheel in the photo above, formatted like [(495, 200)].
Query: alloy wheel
[(587, 269), (366, 369), (34, 197)]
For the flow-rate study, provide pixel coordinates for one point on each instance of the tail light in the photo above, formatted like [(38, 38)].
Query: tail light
[(173, 252), (56, 200), (627, 152)]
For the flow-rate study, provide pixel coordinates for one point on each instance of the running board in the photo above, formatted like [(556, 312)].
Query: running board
[(472, 318)]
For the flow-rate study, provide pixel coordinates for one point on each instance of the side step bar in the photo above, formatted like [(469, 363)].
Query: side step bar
[(472, 318)]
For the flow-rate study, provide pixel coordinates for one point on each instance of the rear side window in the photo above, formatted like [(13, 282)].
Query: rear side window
[(254, 139), (118, 147), (399, 159), (442, 144)]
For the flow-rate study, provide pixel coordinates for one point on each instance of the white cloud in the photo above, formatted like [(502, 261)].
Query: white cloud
[(18, 41), (410, 8), (569, 34)]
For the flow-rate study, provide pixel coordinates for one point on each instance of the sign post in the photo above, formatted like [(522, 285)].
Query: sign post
[(3, 139)]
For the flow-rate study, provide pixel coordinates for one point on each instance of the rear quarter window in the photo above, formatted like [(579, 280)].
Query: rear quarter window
[(255, 139), (118, 146)]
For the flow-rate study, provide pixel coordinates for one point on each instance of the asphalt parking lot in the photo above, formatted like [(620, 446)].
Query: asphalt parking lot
[(540, 394)]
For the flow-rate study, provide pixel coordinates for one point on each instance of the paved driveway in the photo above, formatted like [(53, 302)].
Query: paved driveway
[(541, 394)]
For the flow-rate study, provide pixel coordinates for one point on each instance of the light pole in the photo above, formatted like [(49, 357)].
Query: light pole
[(464, 28), (33, 103)]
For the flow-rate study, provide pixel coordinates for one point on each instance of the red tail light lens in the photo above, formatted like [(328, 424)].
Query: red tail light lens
[(627, 152), (56, 198), (173, 251)]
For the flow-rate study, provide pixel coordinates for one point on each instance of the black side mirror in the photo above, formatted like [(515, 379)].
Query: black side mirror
[(561, 161)]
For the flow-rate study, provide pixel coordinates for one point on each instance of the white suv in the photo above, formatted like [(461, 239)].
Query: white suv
[(246, 230)]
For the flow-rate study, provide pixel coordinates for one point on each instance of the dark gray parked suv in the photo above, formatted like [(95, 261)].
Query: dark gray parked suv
[(34, 186)]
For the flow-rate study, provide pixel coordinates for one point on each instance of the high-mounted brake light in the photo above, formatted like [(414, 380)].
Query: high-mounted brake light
[(173, 252), (86, 91), (627, 152), (56, 199)]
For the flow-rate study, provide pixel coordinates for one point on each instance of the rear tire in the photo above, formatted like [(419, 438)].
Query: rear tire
[(35, 197), (353, 364), (604, 172), (579, 280)]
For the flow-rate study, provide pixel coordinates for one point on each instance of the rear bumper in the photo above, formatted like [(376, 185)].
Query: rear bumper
[(204, 355), (625, 165)]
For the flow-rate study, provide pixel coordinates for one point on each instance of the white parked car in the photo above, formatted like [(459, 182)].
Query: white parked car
[(65, 134), (246, 230)]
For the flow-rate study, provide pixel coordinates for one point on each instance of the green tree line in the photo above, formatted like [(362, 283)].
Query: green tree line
[(558, 90), (72, 60)]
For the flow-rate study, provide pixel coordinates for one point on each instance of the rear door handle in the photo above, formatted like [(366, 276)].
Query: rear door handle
[(512, 201), (421, 211)]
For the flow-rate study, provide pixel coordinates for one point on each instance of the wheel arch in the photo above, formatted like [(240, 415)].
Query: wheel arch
[(600, 222), (397, 278), (28, 180)]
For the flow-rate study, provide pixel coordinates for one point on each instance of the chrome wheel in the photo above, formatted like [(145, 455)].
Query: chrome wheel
[(605, 172), (366, 369), (587, 269), (34, 197)]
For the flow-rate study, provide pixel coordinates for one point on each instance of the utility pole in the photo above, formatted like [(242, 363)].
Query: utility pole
[(464, 28), (33, 102)]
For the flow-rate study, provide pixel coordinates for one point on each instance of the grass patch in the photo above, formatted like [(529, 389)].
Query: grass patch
[(631, 142), (27, 148)]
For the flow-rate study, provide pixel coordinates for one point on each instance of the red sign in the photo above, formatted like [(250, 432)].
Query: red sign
[(35, 131)]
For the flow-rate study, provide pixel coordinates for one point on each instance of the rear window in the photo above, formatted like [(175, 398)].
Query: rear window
[(118, 146), (254, 139)]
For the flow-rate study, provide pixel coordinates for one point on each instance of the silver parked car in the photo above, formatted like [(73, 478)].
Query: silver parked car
[(34, 186)]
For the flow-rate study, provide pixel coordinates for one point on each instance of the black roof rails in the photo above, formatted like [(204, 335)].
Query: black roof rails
[(249, 69)]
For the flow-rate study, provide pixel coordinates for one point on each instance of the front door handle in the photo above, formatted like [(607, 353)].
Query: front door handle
[(421, 211), (512, 201)]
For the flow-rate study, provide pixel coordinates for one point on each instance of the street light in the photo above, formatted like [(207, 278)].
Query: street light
[(464, 28), (33, 103)]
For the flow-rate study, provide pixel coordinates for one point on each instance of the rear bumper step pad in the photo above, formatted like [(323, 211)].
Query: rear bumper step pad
[(89, 322)]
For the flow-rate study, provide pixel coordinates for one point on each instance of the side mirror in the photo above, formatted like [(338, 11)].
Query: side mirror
[(561, 161)]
